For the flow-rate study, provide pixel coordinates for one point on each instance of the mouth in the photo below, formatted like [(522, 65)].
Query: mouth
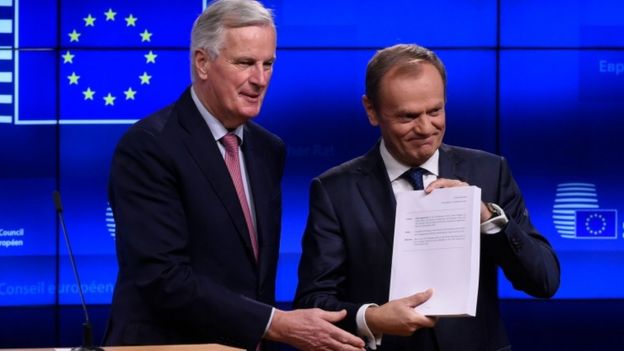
[(424, 140), (253, 98)]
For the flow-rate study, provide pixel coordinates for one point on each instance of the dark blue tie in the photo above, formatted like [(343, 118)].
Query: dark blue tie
[(415, 177)]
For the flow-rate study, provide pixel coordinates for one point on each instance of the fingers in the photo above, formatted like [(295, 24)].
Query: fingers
[(444, 183), (346, 340), (426, 321), (332, 316), (342, 338), (419, 298)]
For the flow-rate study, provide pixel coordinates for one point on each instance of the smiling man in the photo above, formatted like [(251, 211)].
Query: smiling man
[(196, 194), (347, 244)]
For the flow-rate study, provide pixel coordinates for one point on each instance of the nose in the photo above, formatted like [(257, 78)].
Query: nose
[(422, 125), (259, 75)]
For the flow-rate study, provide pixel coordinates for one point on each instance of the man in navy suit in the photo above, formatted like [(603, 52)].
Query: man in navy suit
[(347, 245), (196, 194)]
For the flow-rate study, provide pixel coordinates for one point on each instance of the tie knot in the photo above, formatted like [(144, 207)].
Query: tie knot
[(415, 177), (230, 142)]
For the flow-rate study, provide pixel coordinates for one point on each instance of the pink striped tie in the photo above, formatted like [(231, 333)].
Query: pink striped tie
[(230, 142)]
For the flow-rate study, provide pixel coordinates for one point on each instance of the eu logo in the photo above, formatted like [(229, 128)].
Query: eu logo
[(596, 223)]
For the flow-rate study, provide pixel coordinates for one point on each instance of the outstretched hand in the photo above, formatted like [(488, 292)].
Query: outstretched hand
[(312, 329)]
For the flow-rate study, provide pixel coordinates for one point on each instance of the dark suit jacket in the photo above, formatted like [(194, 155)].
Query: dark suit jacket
[(347, 248), (186, 268)]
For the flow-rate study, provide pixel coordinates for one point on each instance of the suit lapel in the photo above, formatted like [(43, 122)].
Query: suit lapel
[(259, 186), (376, 190), (450, 165), (203, 148)]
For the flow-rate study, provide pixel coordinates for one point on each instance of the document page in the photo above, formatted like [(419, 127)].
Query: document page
[(436, 245)]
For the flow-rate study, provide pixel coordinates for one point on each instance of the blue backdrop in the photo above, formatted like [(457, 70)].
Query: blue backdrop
[(540, 83)]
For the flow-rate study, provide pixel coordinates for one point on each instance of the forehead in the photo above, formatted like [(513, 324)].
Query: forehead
[(414, 81), (259, 38)]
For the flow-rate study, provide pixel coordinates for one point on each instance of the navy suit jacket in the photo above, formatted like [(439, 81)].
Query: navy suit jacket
[(347, 248), (186, 268)]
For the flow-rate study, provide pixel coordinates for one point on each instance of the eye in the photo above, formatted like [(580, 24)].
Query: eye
[(244, 63), (268, 65), (406, 118), (435, 112)]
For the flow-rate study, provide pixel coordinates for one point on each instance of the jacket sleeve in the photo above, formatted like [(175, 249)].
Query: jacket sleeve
[(322, 269), (525, 256)]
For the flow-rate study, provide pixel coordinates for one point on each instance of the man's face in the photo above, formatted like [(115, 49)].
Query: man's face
[(410, 113), (232, 86)]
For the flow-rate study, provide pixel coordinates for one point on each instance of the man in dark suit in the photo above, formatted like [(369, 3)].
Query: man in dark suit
[(347, 245), (195, 191)]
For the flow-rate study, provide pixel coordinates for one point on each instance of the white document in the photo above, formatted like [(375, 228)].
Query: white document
[(436, 245)]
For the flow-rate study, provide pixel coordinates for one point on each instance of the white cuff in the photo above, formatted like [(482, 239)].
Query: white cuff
[(495, 224), (268, 325), (372, 341)]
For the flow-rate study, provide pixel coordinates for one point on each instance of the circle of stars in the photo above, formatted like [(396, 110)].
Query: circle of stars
[(74, 37), (595, 224)]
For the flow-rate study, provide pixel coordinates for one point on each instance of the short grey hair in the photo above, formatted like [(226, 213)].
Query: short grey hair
[(399, 56), (210, 25)]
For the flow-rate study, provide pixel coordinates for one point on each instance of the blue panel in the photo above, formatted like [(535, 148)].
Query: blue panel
[(121, 23), (37, 87), (27, 241), (562, 23), (37, 23), (471, 98), (97, 277), (27, 280), (369, 23), (27, 218), (107, 86), (560, 123), (86, 153)]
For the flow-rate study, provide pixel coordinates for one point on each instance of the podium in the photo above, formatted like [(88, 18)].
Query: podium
[(203, 347)]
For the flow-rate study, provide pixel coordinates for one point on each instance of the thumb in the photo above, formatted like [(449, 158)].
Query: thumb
[(419, 298), (333, 317)]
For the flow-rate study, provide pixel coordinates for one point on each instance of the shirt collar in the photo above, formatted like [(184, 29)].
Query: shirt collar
[(216, 127), (395, 168)]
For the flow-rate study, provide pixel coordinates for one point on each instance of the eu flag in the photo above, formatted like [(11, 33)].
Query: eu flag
[(117, 61), (596, 223)]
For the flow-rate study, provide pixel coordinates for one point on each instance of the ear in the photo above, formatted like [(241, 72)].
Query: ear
[(201, 62), (370, 111)]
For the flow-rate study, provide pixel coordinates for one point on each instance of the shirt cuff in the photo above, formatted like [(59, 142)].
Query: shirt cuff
[(372, 341), (495, 224), (266, 329)]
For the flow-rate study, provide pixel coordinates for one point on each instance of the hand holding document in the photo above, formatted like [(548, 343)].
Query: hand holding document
[(436, 245)]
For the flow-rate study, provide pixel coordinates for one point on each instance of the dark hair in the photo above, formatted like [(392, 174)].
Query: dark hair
[(400, 55)]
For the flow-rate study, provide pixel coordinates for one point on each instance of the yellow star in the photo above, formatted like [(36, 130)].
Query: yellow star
[(130, 94), (110, 15), (68, 57), (145, 78), (89, 21), (150, 57), (131, 21), (88, 94), (145, 36), (73, 78), (109, 100), (73, 36)]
